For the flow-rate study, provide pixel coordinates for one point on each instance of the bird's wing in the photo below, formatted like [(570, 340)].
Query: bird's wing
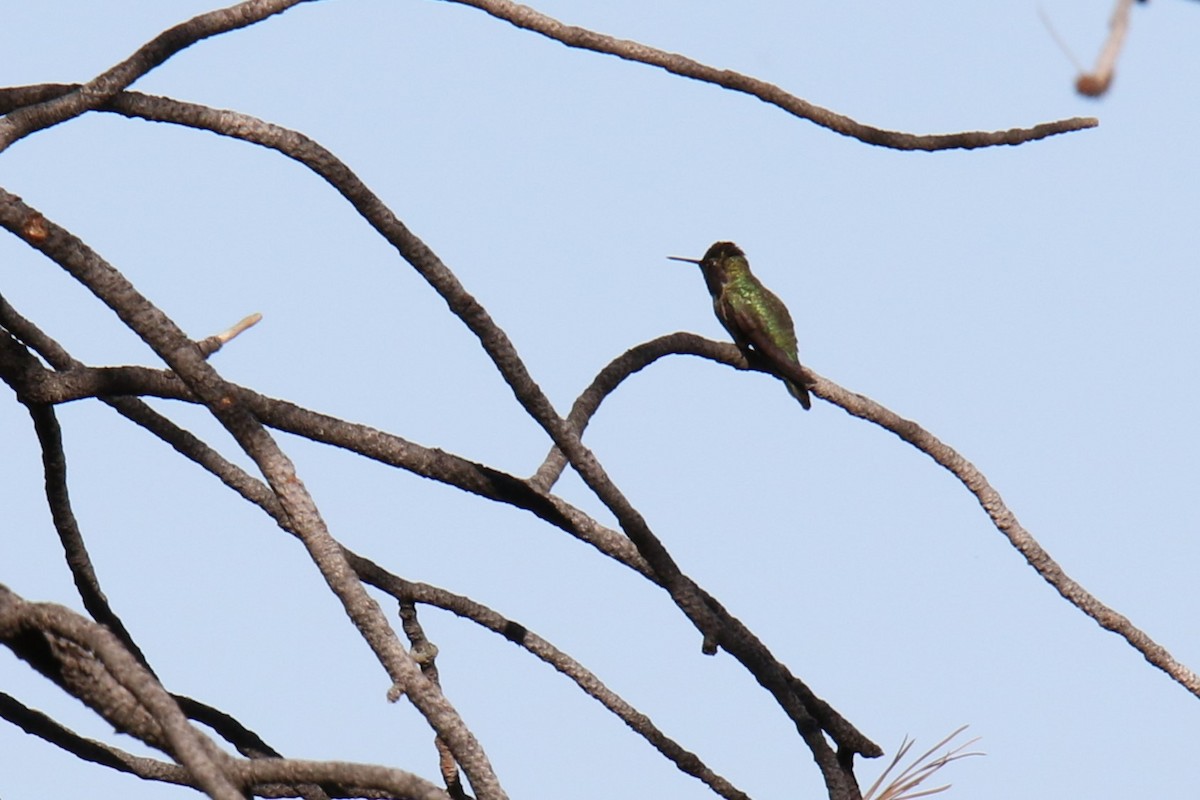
[(731, 323), (753, 331)]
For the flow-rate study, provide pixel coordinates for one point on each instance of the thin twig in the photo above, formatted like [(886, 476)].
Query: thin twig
[(35, 723), (1059, 40), (54, 462), (425, 653)]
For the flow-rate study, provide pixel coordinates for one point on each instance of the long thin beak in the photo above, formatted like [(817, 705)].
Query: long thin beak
[(681, 258)]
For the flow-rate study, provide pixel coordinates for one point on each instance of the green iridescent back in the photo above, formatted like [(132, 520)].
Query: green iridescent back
[(743, 293)]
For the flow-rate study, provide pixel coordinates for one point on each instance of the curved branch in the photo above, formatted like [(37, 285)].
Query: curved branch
[(493, 339), (1006, 522), (101, 89), (637, 358), (608, 379), (35, 723), (54, 464), (574, 36)]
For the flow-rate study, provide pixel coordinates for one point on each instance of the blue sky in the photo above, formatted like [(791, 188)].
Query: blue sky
[(1032, 306)]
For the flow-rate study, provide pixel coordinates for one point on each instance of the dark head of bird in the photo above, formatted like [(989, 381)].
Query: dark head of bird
[(716, 264), (715, 254)]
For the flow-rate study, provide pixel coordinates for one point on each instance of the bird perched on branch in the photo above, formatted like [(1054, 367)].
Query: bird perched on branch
[(757, 320)]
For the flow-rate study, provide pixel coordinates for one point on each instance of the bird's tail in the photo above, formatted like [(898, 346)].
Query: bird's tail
[(800, 393)]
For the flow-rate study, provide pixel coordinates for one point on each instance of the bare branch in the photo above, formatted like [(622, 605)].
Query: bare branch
[(360, 780), (857, 405), (117, 386), (274, 778), (407, 591), (1098, 81), (245, 740), (83, 381), (719, 628), (54, 462), (1006, 522), (609, 378), (425, 652), (243, 414), (185, 358), (35, 723), (100, 89), (573, 36), (387, 448), (494, 341), (91, 663)]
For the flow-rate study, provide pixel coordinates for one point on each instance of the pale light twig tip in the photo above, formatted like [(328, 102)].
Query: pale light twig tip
[(247, 322)]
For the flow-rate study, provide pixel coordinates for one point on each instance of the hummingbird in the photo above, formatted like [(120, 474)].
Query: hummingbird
[(757, 320)]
